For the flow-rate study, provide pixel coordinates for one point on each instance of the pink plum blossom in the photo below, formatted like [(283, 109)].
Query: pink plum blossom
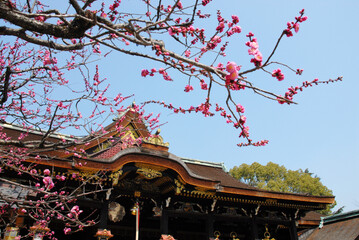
[(179, 5), (40, 18), (220, 27), (244, 132), (171, 32), (235, 19), (188, 88), (144, 72), (240, 108), (48, 60), (243, 119), (67, 230), (203, 85), (48, 182), (237, 29), (231, 67), (232, 76), (278, 74)]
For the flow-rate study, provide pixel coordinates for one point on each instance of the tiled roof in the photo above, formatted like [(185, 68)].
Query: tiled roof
[(313, 216), (216, 173), (346, 229), (110, 152), (14, 131)]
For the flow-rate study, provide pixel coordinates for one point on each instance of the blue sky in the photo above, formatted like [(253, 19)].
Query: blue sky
[(321, 133)]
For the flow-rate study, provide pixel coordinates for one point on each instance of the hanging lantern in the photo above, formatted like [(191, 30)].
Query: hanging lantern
[(217, 234), (233, 235), (134, 209), (267, 235), (103, 234)]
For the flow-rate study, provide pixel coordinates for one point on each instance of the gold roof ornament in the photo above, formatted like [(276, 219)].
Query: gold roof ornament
[(156, 139), (115, 175), (149, 173)]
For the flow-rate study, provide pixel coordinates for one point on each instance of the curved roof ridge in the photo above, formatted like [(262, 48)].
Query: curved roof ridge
[(204, 163), (170, 156), (40, 132), (341, 216)]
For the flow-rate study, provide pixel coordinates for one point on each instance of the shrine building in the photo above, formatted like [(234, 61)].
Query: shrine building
[(149, 192)]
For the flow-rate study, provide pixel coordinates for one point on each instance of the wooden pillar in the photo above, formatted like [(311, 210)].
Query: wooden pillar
[(254, 228), (103, 216), (293, 230), (164, 222), (209, 226)]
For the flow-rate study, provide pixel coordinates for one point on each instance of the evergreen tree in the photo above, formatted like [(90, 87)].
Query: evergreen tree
[(274, 177)]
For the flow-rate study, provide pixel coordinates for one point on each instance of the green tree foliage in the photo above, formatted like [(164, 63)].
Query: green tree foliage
[(274, 177)]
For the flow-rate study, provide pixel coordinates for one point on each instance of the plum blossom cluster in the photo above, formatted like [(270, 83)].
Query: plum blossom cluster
[(212, 44), (203, 84), (223, 24), (47, 195), (199, 36), (256, 144), (240, 124), (163, 72), (232, 78), (295, 25), (200, 15), (230, 72), (42, 80), (254, 50), (232, 75), (145, 72), (205, 2), (203, 108), (74, 212), (48, 60), (188, 88), (232, 27), (288, 96), (29, 80), (185, 31), (235, 29), (113, 10), (278, 74)]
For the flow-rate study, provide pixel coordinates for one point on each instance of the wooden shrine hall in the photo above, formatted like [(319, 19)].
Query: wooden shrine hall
[(151, 192)]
